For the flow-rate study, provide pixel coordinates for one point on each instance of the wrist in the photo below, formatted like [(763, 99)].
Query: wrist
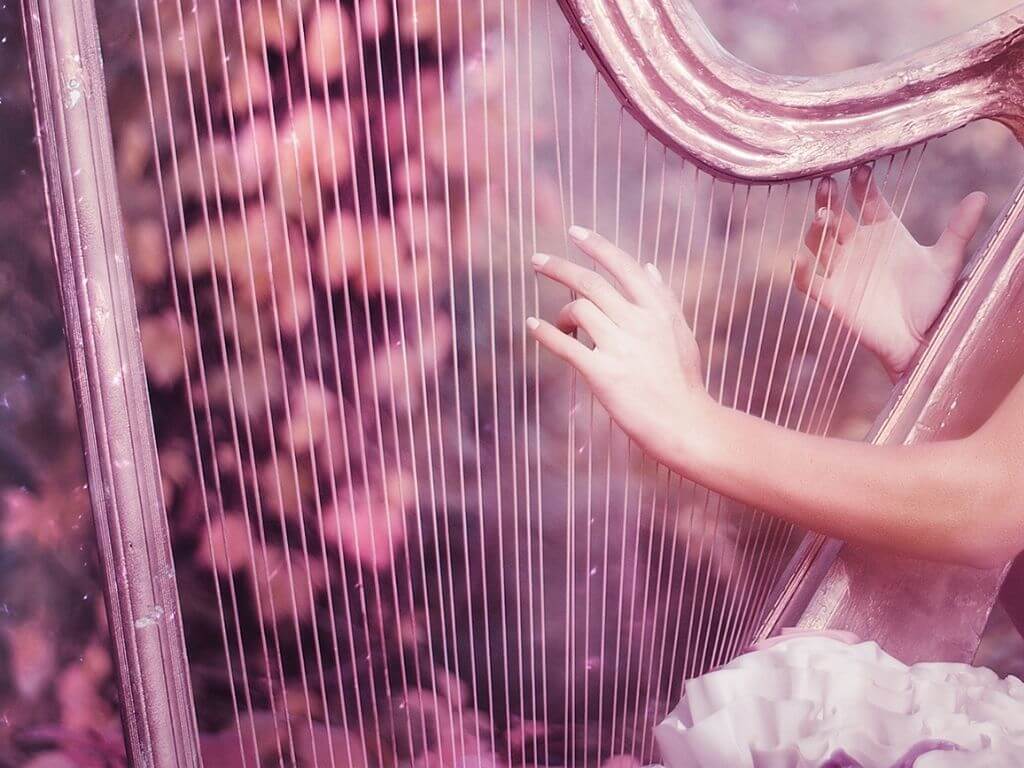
[(695, 434)]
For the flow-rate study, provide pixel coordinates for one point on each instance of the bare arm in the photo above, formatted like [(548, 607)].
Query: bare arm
[(954, 501), (958, 501)]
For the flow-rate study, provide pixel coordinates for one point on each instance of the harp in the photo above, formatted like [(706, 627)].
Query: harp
[(356, 517)]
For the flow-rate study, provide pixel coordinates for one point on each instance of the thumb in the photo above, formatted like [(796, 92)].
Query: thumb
[(963, 223)]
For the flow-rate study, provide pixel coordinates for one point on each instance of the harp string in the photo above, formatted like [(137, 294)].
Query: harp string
[(496, 426), (303, 405), (612, 434), (729, 627), (192, 410), (329, 442), (701, 662), (720, 397), (522, 382), (767, 542), (401, 312), (860, 300), (229, 284), (436, 501), (659, 656), (743, 524), (388, 357), (498, 456), (258, 325), (475, 385), (434, 339), (761, 337), (403, 343), (716, 567), (413, 238), (777, 345), (510, 133), (391, 378), (622, 627), (360, 579), (645, 462), (458, 410), (186, 247), (885, 254), (289, 420), (588, 546), (644, 473), (278, 168), (730, 324), (704, 632), (657, 471), (825, 388), (538, 585), (690, 527), (771, 573), (696, 621), (566, 198)]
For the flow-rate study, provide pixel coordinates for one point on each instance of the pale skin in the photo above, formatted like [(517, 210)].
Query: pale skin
[(957, 501)]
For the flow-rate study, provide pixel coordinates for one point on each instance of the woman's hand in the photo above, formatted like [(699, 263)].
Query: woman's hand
[(644, 366), (877, 276)]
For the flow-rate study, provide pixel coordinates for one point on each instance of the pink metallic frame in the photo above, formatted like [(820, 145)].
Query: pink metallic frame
[(739, 122), (105, 352), (676, 80)]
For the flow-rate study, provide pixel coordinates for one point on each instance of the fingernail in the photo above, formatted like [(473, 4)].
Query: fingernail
[(532, 323), (540, 259), (822, 214), (654, 272), (579, 234)]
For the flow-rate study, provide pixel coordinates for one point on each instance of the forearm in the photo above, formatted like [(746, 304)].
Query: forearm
[(937, 501)]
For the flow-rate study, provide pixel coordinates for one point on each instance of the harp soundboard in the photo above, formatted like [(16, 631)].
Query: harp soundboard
[(355, 516)]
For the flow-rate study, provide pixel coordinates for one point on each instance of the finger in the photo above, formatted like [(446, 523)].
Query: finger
[(873, 206), (559, 344), (962, 226), (585, 282), (583, 314), (826, 195), (819, 288), (625, 269), (654, 272), (827, 232), (803, 271), (828, 198), (816, 236)]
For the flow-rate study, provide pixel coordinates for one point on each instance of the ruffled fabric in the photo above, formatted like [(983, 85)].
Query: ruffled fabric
[(813, 701)]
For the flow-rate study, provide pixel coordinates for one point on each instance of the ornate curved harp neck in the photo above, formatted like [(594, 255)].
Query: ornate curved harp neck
[(738, 122)]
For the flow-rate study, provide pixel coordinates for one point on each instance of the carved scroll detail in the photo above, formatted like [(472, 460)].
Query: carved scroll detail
[(738, 122)]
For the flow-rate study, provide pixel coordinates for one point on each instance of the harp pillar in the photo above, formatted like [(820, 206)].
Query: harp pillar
[(108, 373)]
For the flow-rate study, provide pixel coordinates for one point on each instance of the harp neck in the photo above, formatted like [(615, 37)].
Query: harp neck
[(740, 122)]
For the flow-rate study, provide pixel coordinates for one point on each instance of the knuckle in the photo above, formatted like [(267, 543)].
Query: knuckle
[(590, 283)]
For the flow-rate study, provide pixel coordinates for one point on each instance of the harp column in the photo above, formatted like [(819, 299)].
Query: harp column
[(110, 384)]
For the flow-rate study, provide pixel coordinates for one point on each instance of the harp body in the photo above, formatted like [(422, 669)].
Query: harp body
[(709, 112)]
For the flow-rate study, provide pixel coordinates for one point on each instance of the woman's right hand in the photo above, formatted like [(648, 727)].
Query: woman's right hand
[(877, 277)]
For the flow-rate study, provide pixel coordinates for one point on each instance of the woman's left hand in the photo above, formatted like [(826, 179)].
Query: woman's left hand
[(644, 367)]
